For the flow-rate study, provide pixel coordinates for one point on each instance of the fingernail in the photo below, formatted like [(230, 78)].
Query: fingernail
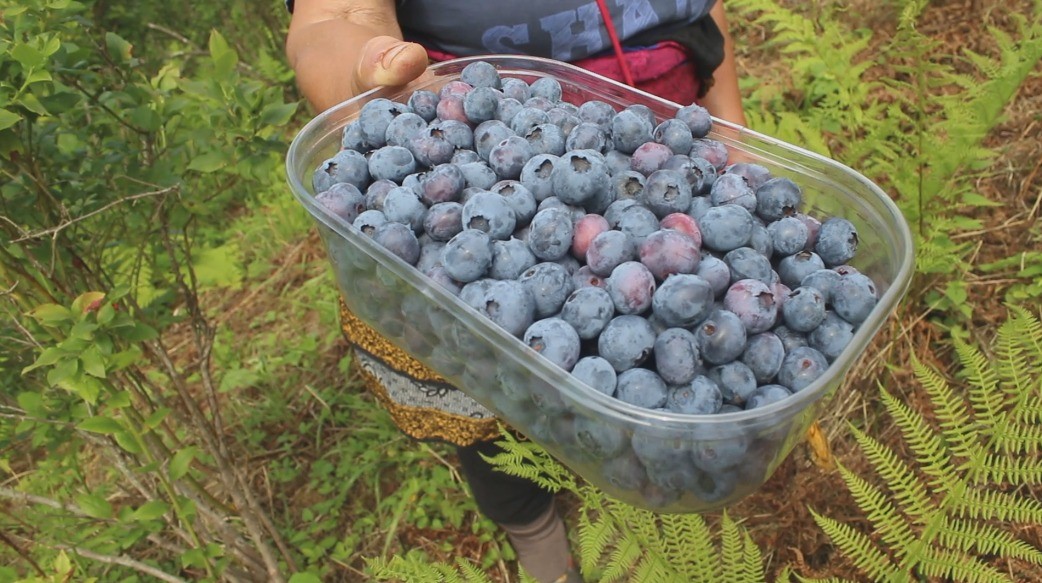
[(388, 58)]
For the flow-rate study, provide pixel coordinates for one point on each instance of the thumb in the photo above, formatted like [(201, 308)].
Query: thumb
[(387, 61)]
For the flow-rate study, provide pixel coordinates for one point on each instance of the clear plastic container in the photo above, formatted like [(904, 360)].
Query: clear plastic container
[(663, 462)]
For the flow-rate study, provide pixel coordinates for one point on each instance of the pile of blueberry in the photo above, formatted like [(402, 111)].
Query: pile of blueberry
[(631, 252)]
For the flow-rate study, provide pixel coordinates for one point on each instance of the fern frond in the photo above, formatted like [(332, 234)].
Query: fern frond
[(930, 452), (948, 565), (594, 535), (908, 491), (953, 416), (860, 549), (988, 504), (891, 527), (622, 558), (984, 539), (692, 553), (731, 548)]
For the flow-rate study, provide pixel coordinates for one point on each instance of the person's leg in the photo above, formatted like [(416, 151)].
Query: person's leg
[(524, 510)]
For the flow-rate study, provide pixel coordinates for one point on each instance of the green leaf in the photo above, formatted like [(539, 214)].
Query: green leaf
[(119, 49), (87, 387), (150, 510), (277, 114), (139, 333), (32, 403), (305, 578), (62, 565), (102, 425), (62, 371), (209, 162), (181, 462), (145, 118), (27, 56), (8, 119), (224, 57), (219, 266), (94, 505), (156, 417), (93, 362), (88, 301), (49, 356), (126, 440), (51, 314)]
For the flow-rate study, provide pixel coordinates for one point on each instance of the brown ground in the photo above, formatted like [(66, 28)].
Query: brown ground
[(778, 517)]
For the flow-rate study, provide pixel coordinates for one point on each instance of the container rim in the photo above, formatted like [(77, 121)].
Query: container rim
[(572, 388)]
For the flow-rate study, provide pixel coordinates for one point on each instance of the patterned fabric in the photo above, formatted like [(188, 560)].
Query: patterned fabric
[(421, 403)]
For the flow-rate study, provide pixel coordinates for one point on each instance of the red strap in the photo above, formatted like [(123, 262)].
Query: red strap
[(610, 26)]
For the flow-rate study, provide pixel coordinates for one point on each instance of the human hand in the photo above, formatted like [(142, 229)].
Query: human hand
[(385, 61)]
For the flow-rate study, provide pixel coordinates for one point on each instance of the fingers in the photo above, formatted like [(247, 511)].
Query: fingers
[(387, 61)]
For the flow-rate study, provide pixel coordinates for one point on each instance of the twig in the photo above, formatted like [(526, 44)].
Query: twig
[(21, 552), (123, 561), (57, 228)]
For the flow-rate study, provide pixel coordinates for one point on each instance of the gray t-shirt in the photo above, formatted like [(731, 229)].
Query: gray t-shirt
[(567, 30)]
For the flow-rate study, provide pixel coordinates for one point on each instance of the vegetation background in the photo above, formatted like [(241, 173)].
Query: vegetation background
[(176, 402)]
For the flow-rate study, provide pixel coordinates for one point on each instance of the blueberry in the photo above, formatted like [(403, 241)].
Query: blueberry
[(442, 278), (716, 273), (753, 302), (726, 227), (608, 250), (588, 310), (790, 339), (402, 205), (712, 151), (352, 138), (760, 240), (777, 198), (518, 198), (587, 136), (624, 472), (451, 107), (822, 280), (488, 134), (563, 119), (853, 297), (473, 293), (702, 396), (478, 175), (509, 305), (642, 388), (675, 134), (676, 356), (443, 183), (343, 200), (747, 263), (392, 163), (667, 252), (801, 367), (528, 118), (400, 240), (507, 108), (577, 176), (428, 151), (424, 103), (555, 340), (831, 336), (489, 212), (546, 138), (626, 342), (697, 119), (515, 88), (657, 448), (546, 87), (536, 176), (684, 224), (550, 233), (374, 118), (755, 174), (793, 268), (430, 253), (699, 174), (597, 373), (804, 309), (813, 228), (509, 156), (481, 74), (733, 189), (368, 221), (550, 284), (788, 236), (649, 157), (837, 241), (598, 113), (717, 455), (510, 258), (455, 132), (586, 229), (631, 287), (468, 255), (638, 222), (682, 300), (666, 192), (766, 395), (599, 440), (584, 277), (616, 162), (628, 185), (345, 166), (763, 355), (721, 337), (541, 103), (630, 129), (735, 379), (404, 128)]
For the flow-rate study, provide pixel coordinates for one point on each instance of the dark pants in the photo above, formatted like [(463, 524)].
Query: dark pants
[(504, 498)]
